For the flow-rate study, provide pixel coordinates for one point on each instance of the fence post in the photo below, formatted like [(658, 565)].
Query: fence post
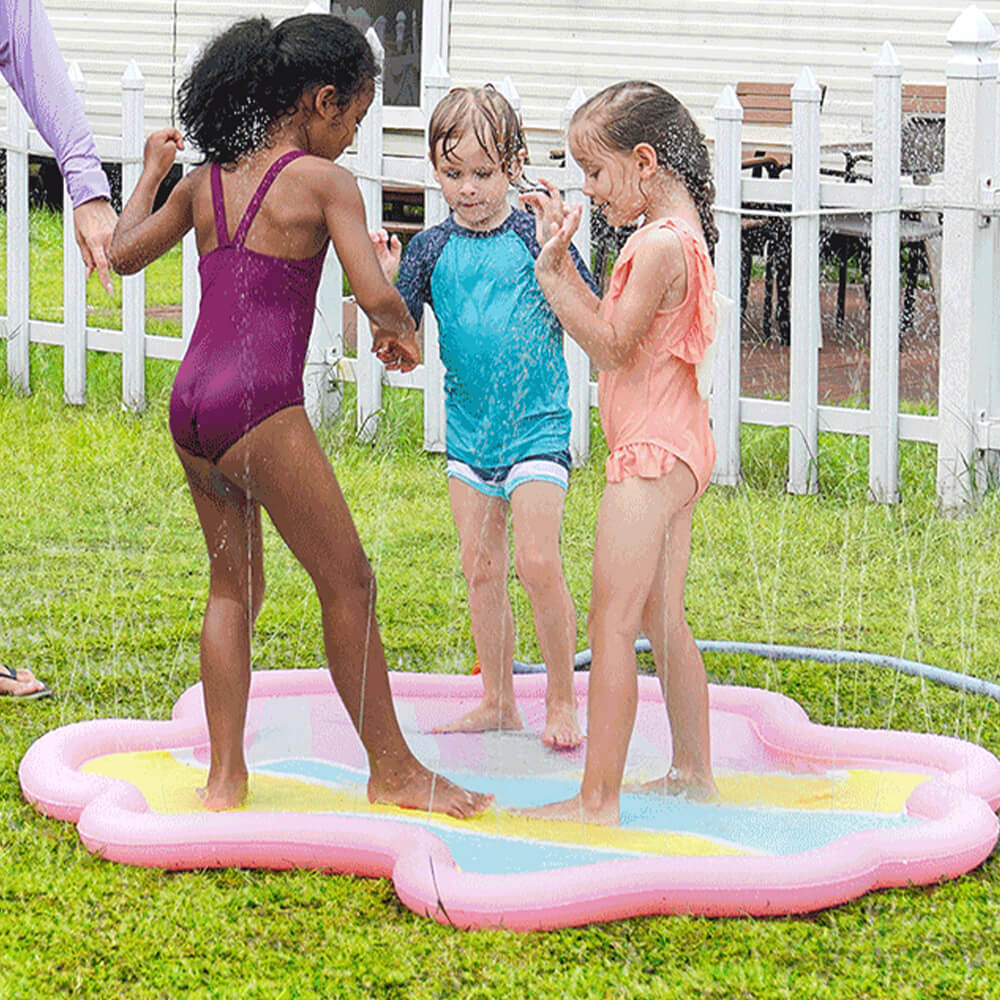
[(437, 83), (133, 286), (883, 446), (805, 315), (369, 161), (190, 283), (725, 399), (18, 283), (577, 359), (190, 280), (323, 395), (74, 292), (966, 258)]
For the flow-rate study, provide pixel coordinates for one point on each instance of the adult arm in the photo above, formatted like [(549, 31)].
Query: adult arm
[(31, 63)]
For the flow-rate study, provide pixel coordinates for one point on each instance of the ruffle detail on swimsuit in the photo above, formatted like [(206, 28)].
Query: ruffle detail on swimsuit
[(638, 458)]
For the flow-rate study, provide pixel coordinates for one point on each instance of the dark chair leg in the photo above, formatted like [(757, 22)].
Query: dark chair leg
[(746, 264), (783, 281), (768, 284), (915, 259), (865, 263), (842, 257)]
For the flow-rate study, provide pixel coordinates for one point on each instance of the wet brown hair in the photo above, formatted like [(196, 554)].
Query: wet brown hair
[(626, 114), (489, 114)]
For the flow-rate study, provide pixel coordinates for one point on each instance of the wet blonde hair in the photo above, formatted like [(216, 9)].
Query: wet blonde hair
[(626, 114), (491, 118)]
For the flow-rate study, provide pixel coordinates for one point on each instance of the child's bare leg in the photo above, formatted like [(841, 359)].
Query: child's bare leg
[(481, 521), (230, 521), (538, 508), (631, 517), (282, 464), (681, 670)]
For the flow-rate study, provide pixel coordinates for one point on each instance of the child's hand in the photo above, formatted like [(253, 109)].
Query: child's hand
[(554, 255), (548, 209), (161, 148), (389, 252), (402, 353)]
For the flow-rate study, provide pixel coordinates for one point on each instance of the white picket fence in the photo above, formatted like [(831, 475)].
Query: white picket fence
[(966, 429)]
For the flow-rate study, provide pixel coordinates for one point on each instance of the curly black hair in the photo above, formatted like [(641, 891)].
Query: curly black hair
[(254, 72)]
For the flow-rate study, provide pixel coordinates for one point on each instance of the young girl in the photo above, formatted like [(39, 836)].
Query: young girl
[(271, 109), (506, 391), (643, 157)]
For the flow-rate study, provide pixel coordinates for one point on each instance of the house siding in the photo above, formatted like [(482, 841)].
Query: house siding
[(103, 36), (692, 47)]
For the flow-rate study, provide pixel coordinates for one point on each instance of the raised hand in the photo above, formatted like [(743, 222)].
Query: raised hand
[(547, 206), (389, 252), (161, 149), (554, 255)]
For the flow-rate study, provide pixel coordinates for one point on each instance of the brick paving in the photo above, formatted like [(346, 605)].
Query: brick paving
[(844, 360)]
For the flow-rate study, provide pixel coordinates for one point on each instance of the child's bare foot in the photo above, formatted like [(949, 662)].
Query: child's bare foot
[(693, 787), (413, 786), (224, 793), (484, 718), (574, 811), (562, 729)]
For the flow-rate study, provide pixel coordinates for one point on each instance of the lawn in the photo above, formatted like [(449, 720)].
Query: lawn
[(104, 579)]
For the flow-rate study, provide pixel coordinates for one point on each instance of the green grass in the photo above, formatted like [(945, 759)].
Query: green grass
[(103, 583), (163, 279)]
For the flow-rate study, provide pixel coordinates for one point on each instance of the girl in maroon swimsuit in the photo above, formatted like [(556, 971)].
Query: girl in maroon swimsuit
[(271, 108)]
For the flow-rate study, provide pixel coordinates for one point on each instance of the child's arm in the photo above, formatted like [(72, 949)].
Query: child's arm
[(389, 251), (657, 278), (142, 235), (393, 330)]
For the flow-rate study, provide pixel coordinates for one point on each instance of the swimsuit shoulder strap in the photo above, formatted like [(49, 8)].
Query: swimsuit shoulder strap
[(258, 196), (219, 206)]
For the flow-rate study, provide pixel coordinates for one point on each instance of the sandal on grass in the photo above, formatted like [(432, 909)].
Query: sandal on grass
[(9, 673)]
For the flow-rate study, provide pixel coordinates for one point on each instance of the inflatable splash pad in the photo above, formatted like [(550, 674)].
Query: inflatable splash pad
[(810, 816)]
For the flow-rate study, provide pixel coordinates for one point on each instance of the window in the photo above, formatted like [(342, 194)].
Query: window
[(399, 26)]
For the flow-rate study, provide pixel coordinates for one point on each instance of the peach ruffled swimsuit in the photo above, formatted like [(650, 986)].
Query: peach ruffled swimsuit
[(651, 411)]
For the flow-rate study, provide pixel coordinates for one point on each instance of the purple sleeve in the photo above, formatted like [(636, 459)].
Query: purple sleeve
[(32, 64)]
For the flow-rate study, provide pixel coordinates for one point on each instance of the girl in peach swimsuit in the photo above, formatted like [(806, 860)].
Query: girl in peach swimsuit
[(642, 156), (651, 411)]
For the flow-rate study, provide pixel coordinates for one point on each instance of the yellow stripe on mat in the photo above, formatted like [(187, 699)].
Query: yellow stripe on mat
[(171, 787)]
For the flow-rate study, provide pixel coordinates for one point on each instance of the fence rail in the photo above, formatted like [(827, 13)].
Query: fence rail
[(966, 429)]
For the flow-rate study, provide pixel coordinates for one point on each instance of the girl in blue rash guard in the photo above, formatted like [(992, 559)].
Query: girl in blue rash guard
[(506, 390)]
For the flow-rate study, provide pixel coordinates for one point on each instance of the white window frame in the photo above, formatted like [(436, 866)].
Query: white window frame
[(433, 46)]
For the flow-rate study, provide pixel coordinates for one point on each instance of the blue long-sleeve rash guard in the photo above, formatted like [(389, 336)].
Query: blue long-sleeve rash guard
[(506, 386)]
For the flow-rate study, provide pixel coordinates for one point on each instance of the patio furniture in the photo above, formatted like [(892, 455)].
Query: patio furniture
[(847, 237), (767, 104)]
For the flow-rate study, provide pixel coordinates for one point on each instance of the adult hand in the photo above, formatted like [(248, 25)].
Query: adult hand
[(94, 222)]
